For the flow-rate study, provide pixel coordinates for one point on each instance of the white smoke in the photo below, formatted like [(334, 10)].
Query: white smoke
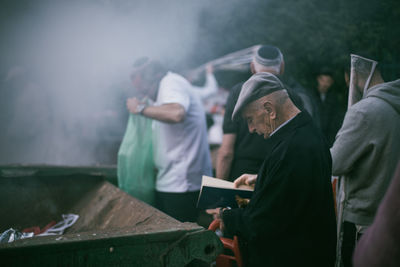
[(75, 58)]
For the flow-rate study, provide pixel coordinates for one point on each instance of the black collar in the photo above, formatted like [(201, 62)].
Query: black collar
[(299, 120)]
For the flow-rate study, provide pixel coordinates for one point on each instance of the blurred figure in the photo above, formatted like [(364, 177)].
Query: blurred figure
[(208, 94), (242, 152), (25, 118), (380, 244), (181, 152), (365, 152), (329, 108)]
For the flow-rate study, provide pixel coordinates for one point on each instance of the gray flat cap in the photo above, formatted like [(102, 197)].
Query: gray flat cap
[(259, 85)]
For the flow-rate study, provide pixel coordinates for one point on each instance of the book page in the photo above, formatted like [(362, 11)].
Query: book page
[(215, 182)]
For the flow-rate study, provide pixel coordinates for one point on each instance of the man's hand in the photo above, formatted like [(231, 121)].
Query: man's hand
[(216, 213), (209, 68), (246, 179), (132, 105)]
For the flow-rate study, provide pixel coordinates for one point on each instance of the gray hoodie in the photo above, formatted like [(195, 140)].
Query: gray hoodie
[(367, 150)]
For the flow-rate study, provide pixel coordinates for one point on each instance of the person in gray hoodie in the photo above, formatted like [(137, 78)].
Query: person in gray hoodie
[(364, 155)]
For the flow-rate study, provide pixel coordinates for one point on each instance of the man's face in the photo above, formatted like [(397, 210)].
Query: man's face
[(324, 83), (358, 83), (142, 87), (257, 119), (347, 78), (137, 82)]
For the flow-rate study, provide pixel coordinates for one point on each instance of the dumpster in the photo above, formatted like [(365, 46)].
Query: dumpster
[(113, 228)]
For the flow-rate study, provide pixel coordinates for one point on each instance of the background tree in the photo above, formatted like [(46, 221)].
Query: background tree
[(310, 33)]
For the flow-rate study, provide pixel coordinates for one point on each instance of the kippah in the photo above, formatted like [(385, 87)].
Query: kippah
[(268, 55)]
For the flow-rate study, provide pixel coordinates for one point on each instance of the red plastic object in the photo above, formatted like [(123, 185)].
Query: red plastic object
[(36, 229), (224, 260)]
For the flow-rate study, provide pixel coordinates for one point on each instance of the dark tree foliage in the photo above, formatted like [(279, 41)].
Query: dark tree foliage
[(311, 33)]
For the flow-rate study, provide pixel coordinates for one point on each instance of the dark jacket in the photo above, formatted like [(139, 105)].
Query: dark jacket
[(290, 220), (331, 115)]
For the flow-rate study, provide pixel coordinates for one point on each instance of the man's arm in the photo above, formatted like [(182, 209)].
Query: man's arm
[(169, 113), (225, 156), (210, 87), (351, 142), (227, 150)]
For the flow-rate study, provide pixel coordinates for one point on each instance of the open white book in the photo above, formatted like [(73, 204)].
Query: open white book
[(216, 193)]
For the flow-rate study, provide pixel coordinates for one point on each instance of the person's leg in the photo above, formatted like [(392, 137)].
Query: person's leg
[(349, 243), (181, 206)]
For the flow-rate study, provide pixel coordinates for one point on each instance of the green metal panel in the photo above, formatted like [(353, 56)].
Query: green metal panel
[(168, 248), (114, 229)]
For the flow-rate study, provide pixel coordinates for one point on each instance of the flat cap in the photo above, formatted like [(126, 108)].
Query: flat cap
[(259, 85)]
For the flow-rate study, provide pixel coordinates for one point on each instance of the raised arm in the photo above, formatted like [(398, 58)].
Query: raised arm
[(210, 87)]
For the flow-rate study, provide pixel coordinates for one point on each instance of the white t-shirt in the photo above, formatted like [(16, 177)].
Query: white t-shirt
[(181, 151)]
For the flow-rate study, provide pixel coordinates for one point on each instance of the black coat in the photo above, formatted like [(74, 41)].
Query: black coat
[(290, 220), (249, 147), (331, 115)]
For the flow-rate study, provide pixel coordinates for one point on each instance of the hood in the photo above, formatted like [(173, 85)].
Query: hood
[(389, 92)]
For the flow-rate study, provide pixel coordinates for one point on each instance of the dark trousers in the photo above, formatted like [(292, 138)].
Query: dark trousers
[(181, 206), (350, 238)]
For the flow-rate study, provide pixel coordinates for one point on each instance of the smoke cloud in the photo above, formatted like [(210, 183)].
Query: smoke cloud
[(65, 68)]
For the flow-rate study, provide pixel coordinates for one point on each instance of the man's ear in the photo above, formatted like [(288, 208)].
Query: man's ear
[(282, 68), (252, 68), (270, 109)]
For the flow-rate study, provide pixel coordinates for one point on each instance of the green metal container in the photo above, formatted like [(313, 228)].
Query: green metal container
[(114, 229)]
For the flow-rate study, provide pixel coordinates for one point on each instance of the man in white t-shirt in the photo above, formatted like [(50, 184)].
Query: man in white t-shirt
[(181, 151)]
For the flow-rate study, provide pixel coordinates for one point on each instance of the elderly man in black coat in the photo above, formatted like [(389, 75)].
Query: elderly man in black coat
[(290, 220)]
